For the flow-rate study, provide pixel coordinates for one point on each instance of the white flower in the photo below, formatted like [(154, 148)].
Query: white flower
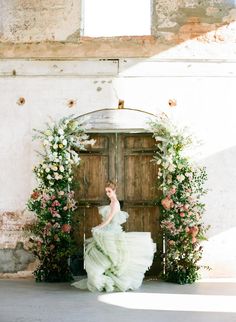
[(165, 165), (48, 132), (64, 142), (44, 166), (54, 168), (169, 179), (45, 142), (55, 146), (171, 168), (180, 177), (159, 161), (61, 168), (47, 170), (60, 131), (56, 175), (180, 166), (49, 177), (189, 175), (50, 138)]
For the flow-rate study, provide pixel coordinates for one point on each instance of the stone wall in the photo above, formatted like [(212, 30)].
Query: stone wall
[(15, 259), (33, 21)]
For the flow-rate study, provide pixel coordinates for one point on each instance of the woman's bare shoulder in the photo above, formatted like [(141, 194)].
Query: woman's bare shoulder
[(115, 205)]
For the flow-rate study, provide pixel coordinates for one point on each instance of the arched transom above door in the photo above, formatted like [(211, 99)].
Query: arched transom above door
[(116, 120)]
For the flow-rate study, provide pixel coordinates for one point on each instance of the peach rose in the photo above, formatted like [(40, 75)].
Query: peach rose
[(66, 228), (194, 240), (167, 203), (35, 195), (193, 231)]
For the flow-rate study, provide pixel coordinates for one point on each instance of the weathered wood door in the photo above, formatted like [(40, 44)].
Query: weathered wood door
[(127, 159)]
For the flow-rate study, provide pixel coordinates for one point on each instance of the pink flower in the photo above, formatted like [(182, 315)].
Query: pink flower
[(167, 203), (171, 242), (46, 197), (182, 214), (56, 203)]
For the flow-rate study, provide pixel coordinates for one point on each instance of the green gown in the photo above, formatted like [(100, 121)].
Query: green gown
[(116, 260)]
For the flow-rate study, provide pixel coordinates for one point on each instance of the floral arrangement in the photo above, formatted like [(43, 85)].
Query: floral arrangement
[(182, 185), (53, 200)]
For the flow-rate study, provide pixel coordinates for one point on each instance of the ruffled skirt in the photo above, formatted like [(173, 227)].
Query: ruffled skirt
[(116, 261)]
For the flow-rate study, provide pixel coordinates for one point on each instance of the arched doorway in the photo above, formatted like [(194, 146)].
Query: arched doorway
[(123, 152)]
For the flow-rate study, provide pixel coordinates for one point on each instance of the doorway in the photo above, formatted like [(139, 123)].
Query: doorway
[(126, 159)]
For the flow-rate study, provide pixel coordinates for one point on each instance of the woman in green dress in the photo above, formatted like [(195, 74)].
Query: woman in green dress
[(115, 260)]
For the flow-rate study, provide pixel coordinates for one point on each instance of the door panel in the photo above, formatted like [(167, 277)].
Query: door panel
[(139, 175), (127, 159)]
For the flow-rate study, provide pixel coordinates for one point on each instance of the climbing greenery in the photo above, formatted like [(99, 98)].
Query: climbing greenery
[(181, 182), (53, 199)]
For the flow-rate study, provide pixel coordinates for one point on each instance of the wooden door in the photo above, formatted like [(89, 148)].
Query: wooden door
[(127, 159)]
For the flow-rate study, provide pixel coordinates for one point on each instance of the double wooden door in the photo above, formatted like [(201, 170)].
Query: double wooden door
[(126, 159)]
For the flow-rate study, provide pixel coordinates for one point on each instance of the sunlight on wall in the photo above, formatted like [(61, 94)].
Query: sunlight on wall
[(171, 302), (220, 247), (106, 18)]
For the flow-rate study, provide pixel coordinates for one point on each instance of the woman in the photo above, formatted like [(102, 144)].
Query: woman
[(115, 260)]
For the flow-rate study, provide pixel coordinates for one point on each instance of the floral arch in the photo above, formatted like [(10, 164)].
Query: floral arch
[(180, 180)]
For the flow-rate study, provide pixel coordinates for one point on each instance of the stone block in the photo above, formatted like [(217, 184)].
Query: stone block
[(14, 260)]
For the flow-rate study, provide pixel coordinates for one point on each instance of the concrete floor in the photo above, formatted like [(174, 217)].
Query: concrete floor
[(205, 301)]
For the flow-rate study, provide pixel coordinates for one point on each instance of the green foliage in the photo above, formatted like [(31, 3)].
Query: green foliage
[(182, 185), (53, 200)]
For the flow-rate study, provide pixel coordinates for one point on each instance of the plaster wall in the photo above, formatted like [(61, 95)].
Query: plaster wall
[(32, 21), (204, 92), (190, 58)]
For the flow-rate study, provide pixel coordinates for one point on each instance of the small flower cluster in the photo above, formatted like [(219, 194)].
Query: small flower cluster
[(53, 200), (182, 186)]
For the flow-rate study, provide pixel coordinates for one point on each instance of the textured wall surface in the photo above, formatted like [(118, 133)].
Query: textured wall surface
[(184, 19), (32, 21), (189, 58), (204, 92)]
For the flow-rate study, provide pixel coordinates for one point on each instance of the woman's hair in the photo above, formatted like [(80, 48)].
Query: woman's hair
[(110, 184)]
